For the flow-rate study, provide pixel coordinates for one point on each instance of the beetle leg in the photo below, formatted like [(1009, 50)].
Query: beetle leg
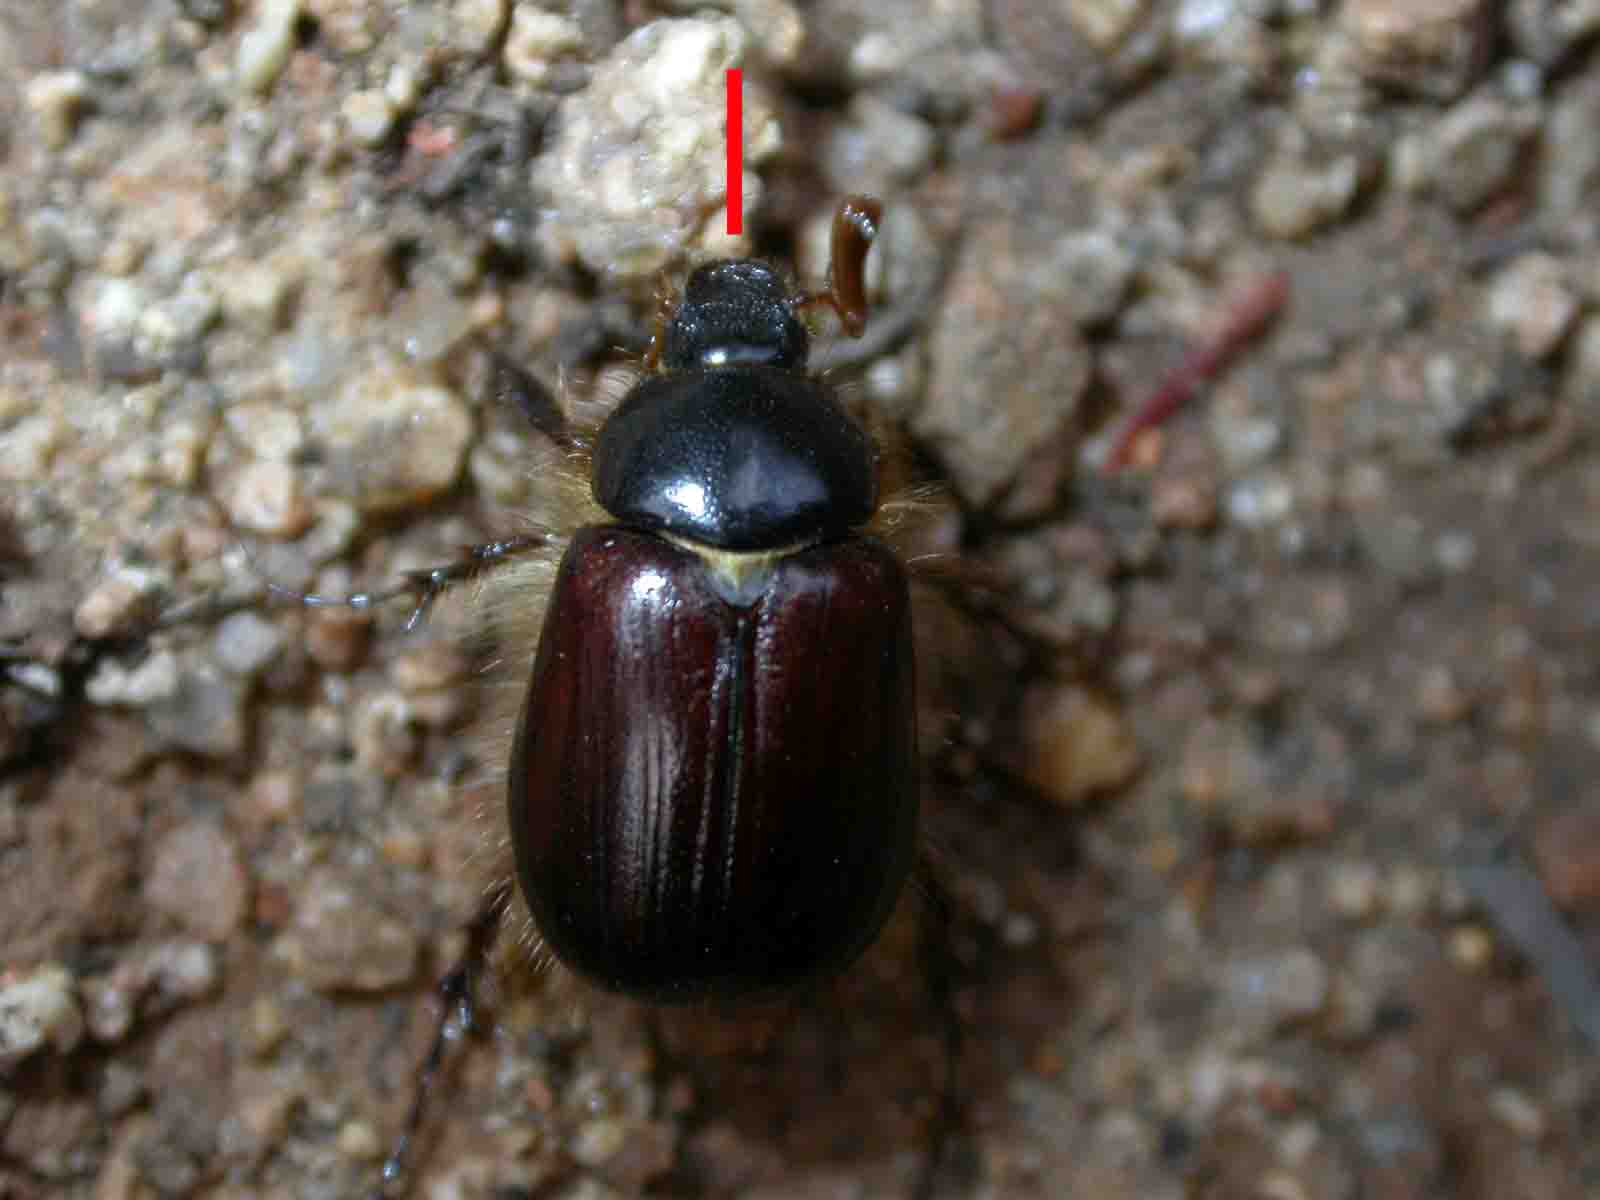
[(458, 1017), (429, 583)]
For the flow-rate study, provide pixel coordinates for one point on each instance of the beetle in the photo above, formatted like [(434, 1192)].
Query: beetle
[(712, 788)]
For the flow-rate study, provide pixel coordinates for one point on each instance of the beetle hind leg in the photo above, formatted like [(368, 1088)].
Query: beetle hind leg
[(458, 1016)]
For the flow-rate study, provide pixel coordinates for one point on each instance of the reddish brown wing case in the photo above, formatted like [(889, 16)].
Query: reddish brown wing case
[(702, 801)]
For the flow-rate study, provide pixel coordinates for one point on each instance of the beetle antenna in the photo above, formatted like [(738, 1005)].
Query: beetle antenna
[(855, 227)]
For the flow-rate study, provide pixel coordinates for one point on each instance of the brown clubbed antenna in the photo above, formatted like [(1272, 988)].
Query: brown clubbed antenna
[(855, 225)]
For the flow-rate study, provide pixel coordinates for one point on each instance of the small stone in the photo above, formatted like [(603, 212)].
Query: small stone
[(181, 972), (204, 714), (152, 680), (403, 87), (255, 296), (337, 639), (153, 980), (197, 879), (270, 431), (180, 453), (265, 48), (273, 798), (392, 438), (1104, 24), (1546, 30), (475, 24), (166, 330), (498, 468), (1183, 501), (267, 1025), (1566, 849), (1209, 23), (1586, 356), (384, 735), (1079, 745), (1293, 198), (119, 604), (1410, 891), (266, 497), (1278, 989), (1432, 48), (29, 446), (36, 1010), (1353, 1010), (369, 115), (1280, 1185), (775, 26), (1184, 491), (1455, 550), (878, 148), (1260, 500), (57, 99), (1354, 890), (340, 940), (246, 643), (1468, 156), (360, 1142), (114, 309), (1471, 947), (1441, 700), (1009, 370), (1518, 1113), (1531, 302), (430, 668), (537, 40), (121, 1088), (1097, 268), (405, 847), (1569, 161), (597, 1142), (267, 1101)]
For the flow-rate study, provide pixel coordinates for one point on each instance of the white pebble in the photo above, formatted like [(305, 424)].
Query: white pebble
[(57, 99), (368, 115), (36, 1010), (264, 50)]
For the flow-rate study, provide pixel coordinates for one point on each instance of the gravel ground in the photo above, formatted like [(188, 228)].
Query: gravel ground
[(1256, 769)]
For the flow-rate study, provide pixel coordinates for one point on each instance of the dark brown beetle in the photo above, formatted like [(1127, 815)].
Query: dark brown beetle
[(713, 788)]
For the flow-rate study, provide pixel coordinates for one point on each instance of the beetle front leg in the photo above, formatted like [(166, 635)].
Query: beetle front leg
[(429, 583)]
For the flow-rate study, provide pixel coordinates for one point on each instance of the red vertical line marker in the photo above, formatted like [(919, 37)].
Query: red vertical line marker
[(735, 152)]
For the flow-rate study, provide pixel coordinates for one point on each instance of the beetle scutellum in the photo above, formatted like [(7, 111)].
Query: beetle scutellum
[(712, 774)]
